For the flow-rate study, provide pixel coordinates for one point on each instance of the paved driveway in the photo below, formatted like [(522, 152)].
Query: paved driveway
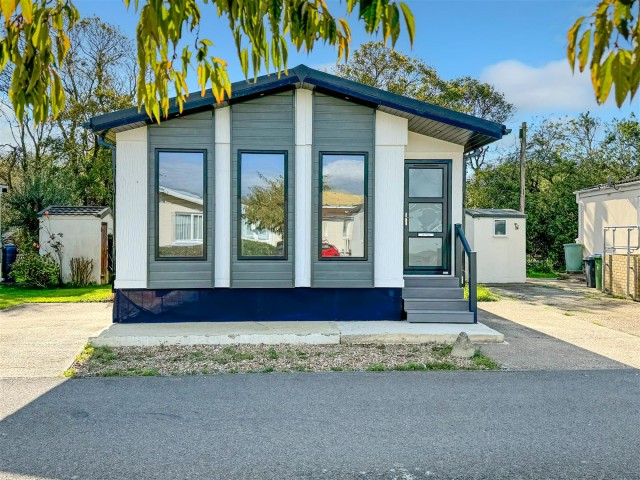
[(571, 312), (396, 425), (42, 339)]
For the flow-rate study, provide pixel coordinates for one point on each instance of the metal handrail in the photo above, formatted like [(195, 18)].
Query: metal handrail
[(463, 248), (612, 249)]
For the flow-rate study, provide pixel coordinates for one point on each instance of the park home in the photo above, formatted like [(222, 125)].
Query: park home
[(304, 196)]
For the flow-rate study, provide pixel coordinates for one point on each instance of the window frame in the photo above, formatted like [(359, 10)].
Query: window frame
[(365, 257), (205, 197), (192, 224), (495, 222), (285, 245)]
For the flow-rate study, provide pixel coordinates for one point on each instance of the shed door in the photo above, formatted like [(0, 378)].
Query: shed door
[(427, 217)]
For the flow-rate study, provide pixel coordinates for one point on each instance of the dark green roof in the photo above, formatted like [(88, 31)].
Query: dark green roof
[(424, 118)]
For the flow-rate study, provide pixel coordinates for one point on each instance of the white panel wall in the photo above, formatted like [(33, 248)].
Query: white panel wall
[(607, 208), (222, 205), (391, 138), (303, 169), (421, 147), (131, 209), (501, 259)]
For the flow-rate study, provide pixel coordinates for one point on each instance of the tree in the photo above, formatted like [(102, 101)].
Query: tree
[(263, 206), (610, 44), (562, 156), (98, 76), (377, 65), (36, 192), (36, 43)]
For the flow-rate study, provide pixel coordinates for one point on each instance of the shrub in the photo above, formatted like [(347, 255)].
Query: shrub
[(81, 270), (35, 270)]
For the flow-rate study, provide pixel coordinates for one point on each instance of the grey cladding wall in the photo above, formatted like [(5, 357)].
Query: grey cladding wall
[(190, 132), (341, 126), (265, 123)]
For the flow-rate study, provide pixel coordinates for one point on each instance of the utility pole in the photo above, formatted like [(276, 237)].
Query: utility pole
[(523, 159)]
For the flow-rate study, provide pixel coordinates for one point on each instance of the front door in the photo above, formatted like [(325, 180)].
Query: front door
[(427, 217)]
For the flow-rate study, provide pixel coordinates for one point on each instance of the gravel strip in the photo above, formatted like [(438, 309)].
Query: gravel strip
[(209, 359)]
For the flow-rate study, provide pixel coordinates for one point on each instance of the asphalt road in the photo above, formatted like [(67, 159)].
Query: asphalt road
[(410, 425)]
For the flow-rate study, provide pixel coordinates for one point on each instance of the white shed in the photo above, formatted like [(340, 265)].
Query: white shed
[(86, 232), (499, 236)]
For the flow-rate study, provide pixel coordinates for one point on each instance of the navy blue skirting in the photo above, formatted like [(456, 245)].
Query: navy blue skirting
[(257, 304)]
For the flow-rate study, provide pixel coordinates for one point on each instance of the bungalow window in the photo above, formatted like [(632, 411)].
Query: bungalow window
[(262, 205), (500, 228), (180, 218), (189, 228), (343, 206)]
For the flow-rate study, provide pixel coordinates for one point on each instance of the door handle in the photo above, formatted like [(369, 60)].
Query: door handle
[(406, 219)]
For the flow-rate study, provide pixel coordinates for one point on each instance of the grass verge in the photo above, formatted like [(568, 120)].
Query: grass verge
[(209, 359), (484, 294), (13, 295)]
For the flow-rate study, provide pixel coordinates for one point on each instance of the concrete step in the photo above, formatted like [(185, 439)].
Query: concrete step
[(430, 281), (450, 304), (442, 316), (437, 293)]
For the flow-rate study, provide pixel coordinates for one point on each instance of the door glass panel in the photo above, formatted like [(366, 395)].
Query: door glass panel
[(425, 252), (425, 217), (425, 182)]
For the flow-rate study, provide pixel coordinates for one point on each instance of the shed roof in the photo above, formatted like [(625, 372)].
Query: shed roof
[(424, 118), (605, 187), (66, 210), (494, 213)]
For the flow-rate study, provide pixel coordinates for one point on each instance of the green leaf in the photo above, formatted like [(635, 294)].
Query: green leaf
[(8, 8), (620, 71), (409, 21), (573, 38), (27, 10), (585, 46)]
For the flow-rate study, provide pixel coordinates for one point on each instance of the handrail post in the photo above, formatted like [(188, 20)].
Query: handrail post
[(458, 255), (604, 260), (628, 261), (473, 286)]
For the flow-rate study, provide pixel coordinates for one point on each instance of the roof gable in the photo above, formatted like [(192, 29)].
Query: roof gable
[(423, 118)]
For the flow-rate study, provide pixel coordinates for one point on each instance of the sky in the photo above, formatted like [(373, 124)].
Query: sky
[(519, 46)]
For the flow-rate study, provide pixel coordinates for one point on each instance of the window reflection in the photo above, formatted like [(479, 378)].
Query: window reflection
[(180, 231), (262, 204), (343, 220)]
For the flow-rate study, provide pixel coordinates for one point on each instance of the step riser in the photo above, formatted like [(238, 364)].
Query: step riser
[(432, 293), (434, 282), (451, 305), (439, 317)]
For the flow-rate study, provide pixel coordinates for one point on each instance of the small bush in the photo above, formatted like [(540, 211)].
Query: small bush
[(81, 270), (540, 268), (37, 271)]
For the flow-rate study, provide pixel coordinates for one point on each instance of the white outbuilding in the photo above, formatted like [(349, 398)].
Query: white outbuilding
[(499, 236), (83, 232)]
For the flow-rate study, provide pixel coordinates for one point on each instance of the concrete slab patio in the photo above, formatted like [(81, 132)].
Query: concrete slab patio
[(272, 333)]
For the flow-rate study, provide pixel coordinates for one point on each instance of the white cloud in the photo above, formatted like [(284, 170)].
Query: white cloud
[(551, 87)]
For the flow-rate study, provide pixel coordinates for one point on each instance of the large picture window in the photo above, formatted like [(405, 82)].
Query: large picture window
[(262, 194), (343, 212), (180, 201)]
